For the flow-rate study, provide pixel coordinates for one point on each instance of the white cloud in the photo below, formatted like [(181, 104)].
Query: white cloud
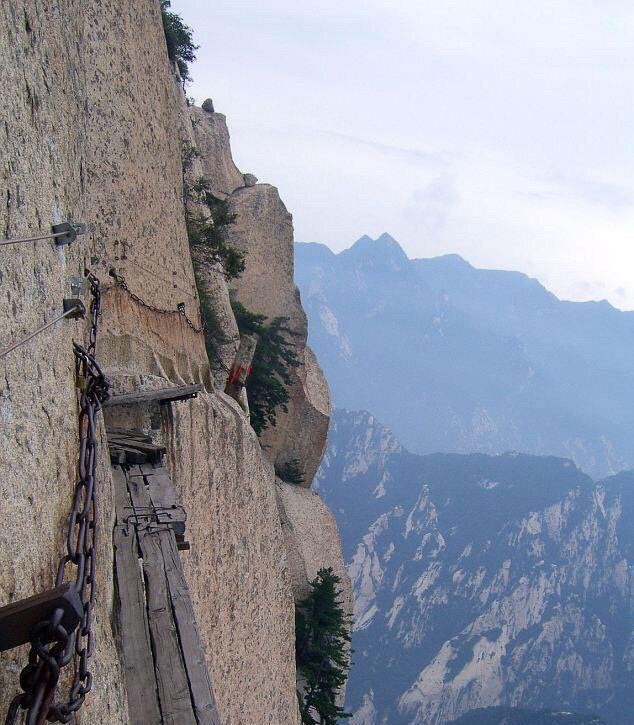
[(499, 130)]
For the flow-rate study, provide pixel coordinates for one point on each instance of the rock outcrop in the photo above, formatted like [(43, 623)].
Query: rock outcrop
[(264, 230), (212, 141), (94, 131), (312, 540)]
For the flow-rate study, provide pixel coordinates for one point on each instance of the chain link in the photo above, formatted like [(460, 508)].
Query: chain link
[(52, 648), (180, 310)]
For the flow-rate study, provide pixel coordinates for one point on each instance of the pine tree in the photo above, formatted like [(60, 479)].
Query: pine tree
[(322, 653), (267, 385), (179, 39)]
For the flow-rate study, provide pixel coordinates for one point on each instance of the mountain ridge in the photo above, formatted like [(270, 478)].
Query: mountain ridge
[(480, 580), (458, 359)]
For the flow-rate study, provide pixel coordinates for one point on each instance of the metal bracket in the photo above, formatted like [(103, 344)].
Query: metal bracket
[(75, 308), (78, 286), (67, 232)]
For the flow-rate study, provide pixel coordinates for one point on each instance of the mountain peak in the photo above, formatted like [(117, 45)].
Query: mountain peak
[(382, 250)]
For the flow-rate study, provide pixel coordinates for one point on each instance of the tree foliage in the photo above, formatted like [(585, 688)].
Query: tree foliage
[(291, 472), (209, 232), (322, 652), (179, 38), (270, 374)]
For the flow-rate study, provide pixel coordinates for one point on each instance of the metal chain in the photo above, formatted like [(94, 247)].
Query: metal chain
[(52, 648), (120, 282)]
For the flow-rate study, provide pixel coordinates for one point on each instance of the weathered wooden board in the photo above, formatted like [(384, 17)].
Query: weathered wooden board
[(163, 496), (122, 454), (152, 450), (191, 645), (166, 673), (171, 677), (163, 395), (136, 648), (137, 488), (143, 704), (135, 434)]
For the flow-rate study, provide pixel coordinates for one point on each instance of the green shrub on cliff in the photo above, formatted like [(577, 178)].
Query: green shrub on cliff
[(291, 472), (322, 652), (270, 374), (208, 233), (179, 39)]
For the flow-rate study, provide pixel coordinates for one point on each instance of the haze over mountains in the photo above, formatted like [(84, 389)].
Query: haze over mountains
[(481, 580), (459, 359)]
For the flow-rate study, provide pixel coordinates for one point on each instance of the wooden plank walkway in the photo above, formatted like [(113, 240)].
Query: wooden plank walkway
[(166, 674), (162, 395)]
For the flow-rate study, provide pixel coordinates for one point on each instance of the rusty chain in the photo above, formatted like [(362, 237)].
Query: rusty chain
[(52, 647), (180, 310)]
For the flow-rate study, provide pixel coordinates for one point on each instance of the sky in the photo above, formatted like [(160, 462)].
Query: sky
[(498, 130)]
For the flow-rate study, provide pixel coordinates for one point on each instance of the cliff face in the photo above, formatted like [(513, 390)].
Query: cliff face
[(481, 580), (93, 125)]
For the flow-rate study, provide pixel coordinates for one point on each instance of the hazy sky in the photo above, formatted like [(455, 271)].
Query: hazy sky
[(498, 130)]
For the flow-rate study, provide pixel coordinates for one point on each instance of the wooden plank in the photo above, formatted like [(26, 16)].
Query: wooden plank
[(18, 619), (136, 648), (135, 434), (138, 662), (136, 487), (173, 684), (193, 654), (120, 493), (161, 488), (163, 395), (151, 449), (129, 455), (162, 652), (163, 496)]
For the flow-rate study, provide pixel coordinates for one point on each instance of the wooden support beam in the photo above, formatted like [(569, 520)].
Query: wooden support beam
[(134, 434), (125, 449), (18, 619), (123, 454), (163, 395), (151, 449)]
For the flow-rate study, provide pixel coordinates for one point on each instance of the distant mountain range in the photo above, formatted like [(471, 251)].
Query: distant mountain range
[(481, 580), (458, 359)]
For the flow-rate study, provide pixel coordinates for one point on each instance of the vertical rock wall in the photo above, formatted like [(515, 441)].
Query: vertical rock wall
[(44, 162), (263, 229), (92, 130)]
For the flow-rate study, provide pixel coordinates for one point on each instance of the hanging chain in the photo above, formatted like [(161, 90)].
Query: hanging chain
[(180, 310), (52, 647)]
